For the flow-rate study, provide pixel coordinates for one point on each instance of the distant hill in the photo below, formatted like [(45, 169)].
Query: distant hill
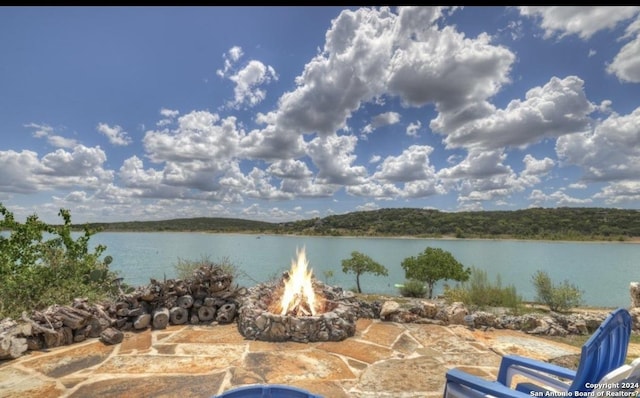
[(212, 224), (564, 223)]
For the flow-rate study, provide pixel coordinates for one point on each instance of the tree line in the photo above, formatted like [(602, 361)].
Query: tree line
[(563, 223)]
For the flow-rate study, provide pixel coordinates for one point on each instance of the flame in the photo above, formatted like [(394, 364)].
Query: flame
[(299, 297)]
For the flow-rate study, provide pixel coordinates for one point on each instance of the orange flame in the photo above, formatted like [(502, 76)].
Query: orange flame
[(299, 296)]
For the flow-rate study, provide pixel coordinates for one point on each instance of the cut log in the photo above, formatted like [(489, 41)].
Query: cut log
[(12, 347), (136, 312), (67, 335), (56, 339), (75, 318), (111, 336), (193, 319), (13, 341), (178, 315), (226, 313), (81, 334), (142, 321), (160, 318), (185, 301), (95, 326), (206, 313)]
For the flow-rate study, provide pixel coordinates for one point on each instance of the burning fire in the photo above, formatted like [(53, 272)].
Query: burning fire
[(299, 297)]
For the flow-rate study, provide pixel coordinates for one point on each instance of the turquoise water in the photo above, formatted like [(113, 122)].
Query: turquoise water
[(602, 270)]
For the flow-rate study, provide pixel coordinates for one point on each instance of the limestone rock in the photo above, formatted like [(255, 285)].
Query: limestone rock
[(388, 308)]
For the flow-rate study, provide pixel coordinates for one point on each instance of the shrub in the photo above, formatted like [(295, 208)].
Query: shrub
[(559, 297), (185, 268), (479, 292), (36, 273), (413, 288)]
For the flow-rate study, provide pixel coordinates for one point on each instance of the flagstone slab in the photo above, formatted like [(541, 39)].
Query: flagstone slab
[(383, 333), (415, 375), (152, 386), (70, 359), (152, 364), (359, 350), (18, 383), (288, 367), (259, 345), (225, 334), (139, 342), (232, 353)]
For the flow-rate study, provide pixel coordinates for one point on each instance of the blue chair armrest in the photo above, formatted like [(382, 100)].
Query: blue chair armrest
[(518, 362), (491, 388)]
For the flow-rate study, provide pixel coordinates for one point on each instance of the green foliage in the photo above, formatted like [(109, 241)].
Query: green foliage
[(564, 223), (479, 292), (559, 297), (36, 273), (359, 264), (413, 288), (328, 275), (432, 265)]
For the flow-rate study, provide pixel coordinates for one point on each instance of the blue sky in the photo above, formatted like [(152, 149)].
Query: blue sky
[(285, 113)]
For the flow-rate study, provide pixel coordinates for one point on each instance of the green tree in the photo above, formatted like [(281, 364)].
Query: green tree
[(432, 265), (361, 263), (36, 273)]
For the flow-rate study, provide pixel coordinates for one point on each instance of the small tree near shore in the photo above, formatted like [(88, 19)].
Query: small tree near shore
[(361, 263), (560, 297), (432, 265)]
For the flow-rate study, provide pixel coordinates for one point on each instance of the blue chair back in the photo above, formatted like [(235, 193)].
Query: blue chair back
[(267, 391), (605, 350)]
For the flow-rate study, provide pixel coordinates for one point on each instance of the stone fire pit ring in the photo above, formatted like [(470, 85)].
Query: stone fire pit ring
[(338, 322)]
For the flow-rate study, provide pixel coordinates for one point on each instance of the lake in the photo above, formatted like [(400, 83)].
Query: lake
[(603, 270)]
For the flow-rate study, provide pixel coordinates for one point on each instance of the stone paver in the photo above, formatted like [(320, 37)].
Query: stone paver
[(383, 359)]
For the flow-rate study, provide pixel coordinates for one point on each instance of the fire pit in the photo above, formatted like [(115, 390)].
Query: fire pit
[(297, 307)]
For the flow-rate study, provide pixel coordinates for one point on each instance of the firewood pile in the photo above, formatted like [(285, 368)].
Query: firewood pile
[(205, 298)]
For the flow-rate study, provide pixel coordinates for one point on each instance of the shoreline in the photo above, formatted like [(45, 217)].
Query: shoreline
[(632, 240)]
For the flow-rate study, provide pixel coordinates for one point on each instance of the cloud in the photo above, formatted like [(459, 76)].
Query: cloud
[(115, 134), (411, 165), (608, 152), (24, 172), (558, 198), (46, 131), (583, 21), (230, 58), (199, 136), (586, 21), (621, 192), (333, 155), (383, 119), (559, 107), (481, 176), (17, 171), (293, 169), (534, 169), (626, 64), (168, 117), (248, 80), (373, 189), (413, 128)]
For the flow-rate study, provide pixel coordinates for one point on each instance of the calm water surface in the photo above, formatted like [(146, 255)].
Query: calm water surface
[(602, 270)]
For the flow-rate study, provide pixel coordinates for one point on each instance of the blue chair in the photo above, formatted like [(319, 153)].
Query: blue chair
[(605, 351), (267, 391)]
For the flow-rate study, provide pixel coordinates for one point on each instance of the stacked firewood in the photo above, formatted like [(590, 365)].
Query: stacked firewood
[(207, 297)]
